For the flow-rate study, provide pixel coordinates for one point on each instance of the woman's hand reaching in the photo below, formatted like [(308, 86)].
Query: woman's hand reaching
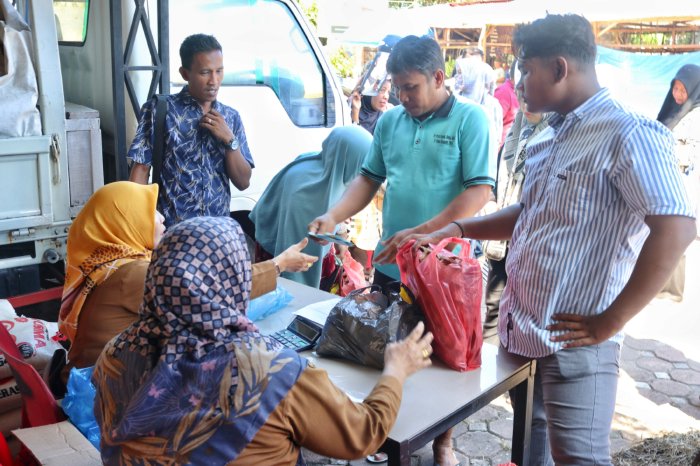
[(293, 260), (403, 358)]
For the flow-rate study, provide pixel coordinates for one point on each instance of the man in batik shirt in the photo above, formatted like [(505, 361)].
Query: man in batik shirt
[(205, 143)]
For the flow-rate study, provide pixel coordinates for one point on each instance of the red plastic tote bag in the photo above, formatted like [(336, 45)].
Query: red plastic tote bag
[(448, 288)]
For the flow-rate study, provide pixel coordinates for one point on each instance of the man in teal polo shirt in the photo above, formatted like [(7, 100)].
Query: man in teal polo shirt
[(433, 151)]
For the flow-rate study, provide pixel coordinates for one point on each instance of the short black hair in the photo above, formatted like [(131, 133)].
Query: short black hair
[(422, 54), (473, 51), (194, 44), (556, 35)]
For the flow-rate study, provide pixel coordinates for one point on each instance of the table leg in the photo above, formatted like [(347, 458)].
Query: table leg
[(522, 420), (399, 454)]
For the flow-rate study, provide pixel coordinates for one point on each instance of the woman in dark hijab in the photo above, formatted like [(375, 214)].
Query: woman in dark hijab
[(367, 109), (683, 97), (680, 112)]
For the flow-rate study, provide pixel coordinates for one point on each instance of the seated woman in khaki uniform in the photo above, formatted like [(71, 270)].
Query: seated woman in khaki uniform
[(109, 249), (192, 381)]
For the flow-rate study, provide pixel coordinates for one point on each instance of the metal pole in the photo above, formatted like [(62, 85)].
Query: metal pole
[(115, 20)]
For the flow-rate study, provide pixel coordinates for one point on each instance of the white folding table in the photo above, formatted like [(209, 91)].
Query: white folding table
[(434, 399)]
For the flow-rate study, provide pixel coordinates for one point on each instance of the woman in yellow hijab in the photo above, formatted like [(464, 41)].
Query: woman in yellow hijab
[(109, 249)]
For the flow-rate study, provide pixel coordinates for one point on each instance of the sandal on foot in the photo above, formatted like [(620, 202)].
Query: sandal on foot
[(454, 455), (376, 458)]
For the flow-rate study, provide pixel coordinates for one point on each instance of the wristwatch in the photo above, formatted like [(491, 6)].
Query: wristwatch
[(233, 144)]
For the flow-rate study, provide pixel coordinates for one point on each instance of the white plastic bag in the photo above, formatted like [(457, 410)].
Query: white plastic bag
[(10, 397), (34, 338), (18, 86)]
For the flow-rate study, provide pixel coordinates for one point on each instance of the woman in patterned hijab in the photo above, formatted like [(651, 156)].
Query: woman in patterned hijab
[(193, 381), (109, 249), (170, 385)]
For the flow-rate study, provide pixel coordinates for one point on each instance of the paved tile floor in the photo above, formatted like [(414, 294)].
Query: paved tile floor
[(659, 388)]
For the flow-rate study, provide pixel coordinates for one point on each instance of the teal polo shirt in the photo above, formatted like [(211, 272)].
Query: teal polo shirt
[(426, 164)]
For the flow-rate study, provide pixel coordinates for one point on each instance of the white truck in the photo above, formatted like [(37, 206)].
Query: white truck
[(97, 62)]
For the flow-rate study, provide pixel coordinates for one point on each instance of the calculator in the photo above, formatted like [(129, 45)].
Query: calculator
[(301, 334)]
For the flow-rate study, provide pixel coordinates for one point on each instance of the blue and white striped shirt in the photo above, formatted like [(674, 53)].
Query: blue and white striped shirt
[(592, 177)]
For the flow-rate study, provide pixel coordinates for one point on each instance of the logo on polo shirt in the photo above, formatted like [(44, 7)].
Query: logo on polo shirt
[(445, 139)]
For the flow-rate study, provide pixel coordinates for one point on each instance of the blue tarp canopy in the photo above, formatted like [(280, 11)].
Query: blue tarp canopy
[(640, 80)]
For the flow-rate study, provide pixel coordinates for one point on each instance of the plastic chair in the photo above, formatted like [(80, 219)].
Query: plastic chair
[(5, 455), (39, 407)]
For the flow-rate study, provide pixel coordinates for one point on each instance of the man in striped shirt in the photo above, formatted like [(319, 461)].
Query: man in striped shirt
[(603, 219)]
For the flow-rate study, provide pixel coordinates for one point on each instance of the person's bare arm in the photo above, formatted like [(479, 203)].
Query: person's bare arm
[(355, 104), (497, 226), (238, 169), (468, 203), (363, 427), (139, 173), (360, 192), (668, 238)]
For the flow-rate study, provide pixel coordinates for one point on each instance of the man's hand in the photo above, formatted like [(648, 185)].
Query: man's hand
[(431, 238), (238, 169), (584, 330), (216, 124), (391, 246), (323, 224)]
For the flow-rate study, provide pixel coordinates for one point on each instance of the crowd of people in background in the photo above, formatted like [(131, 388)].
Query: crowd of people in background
[(584, 209)]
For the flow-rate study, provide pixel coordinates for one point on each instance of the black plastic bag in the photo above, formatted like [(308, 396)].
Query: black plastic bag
[(361, 324)]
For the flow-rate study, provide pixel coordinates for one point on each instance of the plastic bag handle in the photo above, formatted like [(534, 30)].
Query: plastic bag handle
[(445, 241), (362, 290)]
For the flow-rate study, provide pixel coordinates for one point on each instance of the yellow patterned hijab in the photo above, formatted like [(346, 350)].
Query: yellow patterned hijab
[(115, 227)]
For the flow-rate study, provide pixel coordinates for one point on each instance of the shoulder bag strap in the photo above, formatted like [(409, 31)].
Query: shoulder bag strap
[(159, 138)]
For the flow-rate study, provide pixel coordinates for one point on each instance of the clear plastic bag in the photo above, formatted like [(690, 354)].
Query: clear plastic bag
[(36, 339), (19, 90), (268, 304), (361, 324), (448, 288), (79, 401)]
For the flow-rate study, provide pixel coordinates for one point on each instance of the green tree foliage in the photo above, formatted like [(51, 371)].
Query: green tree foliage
[(342, 63), (310, 10), (449, 66)]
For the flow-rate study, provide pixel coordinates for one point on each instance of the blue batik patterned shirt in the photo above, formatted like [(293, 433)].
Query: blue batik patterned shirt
[(193, 178)]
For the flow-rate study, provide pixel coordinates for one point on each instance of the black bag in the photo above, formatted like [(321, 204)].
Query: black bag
[(361, 324), (161, 109)]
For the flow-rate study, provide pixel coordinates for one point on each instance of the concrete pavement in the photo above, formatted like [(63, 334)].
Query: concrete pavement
[(658, 391)]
